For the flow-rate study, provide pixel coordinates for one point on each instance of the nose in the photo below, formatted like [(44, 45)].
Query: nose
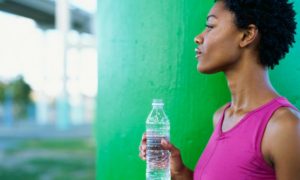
[(198, 39)]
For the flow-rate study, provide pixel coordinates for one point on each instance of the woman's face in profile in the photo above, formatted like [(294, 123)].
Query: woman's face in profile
[(218, 44)]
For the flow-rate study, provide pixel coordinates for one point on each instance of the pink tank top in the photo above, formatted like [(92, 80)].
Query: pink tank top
[(236, 154)]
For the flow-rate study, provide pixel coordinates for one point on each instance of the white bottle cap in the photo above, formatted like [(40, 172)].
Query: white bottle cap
[(157, 102)]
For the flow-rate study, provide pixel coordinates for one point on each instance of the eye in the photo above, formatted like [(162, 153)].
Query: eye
[(209, 27)]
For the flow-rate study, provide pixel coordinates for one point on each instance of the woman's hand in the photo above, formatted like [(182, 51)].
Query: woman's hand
[(176, 163), (143, 147)]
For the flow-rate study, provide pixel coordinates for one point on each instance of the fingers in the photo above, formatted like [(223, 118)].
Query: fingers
[(164, 143), (144, 138), (142, 147), (142, 152)]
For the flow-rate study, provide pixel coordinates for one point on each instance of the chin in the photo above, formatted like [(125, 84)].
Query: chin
[(206, 70)]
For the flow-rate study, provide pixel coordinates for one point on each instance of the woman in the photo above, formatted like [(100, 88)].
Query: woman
[(257, 134)]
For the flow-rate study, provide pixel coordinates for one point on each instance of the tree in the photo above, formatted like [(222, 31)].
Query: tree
[(2, 92), (21, 92)]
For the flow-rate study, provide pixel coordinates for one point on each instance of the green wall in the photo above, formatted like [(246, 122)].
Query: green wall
[(286, 77), (146, 51)]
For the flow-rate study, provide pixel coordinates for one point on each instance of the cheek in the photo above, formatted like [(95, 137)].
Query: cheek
[(212, 50), (222, 47), (219, 51)]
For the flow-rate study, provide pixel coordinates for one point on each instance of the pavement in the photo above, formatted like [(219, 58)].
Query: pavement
[(9, 136), (58, 159)]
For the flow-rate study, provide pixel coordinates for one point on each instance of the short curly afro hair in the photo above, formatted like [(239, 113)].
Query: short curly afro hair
[(275, 20)]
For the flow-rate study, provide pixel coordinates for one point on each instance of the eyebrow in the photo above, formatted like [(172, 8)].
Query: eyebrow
[(210, 16)]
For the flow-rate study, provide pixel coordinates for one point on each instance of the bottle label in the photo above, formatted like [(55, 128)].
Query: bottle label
[(157, 157), (154, 141)]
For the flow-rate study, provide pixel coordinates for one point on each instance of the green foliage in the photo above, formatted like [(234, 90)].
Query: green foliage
[(2, 92), (19, 92)]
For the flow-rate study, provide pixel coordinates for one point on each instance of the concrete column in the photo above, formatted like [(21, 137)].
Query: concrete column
[(62, 17)]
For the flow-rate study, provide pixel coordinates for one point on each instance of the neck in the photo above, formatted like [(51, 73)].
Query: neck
[(249, 85)]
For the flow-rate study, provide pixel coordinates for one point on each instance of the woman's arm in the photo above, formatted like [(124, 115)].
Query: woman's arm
[(284, 144)]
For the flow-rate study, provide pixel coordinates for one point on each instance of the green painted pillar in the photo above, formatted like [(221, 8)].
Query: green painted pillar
[(146, 51)]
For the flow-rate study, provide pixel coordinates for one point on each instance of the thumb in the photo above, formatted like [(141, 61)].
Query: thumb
[(167, 146), (177, 165), (175, 153)]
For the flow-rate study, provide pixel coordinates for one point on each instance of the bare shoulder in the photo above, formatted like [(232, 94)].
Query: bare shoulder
[(218, 114), (284, 142), (285, 119), (285, 123)]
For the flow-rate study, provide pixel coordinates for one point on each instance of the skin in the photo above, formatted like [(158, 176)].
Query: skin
[(250, 88)]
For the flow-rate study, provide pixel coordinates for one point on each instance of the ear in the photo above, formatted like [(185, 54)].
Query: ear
[(249, 35)]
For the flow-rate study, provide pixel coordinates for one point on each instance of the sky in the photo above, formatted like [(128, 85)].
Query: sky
[(28, 51)]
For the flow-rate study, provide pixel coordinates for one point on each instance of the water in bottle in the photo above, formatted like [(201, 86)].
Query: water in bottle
[(157, 127)]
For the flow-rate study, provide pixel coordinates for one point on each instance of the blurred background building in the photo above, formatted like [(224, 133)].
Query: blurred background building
[(49, 48), (48, 85)]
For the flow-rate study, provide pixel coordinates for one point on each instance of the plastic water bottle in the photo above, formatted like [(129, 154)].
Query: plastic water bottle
[(157, 127)]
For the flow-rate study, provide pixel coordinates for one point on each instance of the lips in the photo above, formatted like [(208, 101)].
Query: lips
[(198, 53)]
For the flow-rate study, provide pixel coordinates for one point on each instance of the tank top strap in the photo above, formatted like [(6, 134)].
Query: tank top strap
[(286, 103), (219, 123), (266, 115)]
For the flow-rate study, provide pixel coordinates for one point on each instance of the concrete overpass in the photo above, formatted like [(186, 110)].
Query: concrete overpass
[(43, 12)]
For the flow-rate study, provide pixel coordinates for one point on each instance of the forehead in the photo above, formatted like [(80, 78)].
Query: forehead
[(220, 11)]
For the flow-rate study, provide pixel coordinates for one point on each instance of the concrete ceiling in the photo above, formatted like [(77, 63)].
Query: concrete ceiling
[(43, 12)]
